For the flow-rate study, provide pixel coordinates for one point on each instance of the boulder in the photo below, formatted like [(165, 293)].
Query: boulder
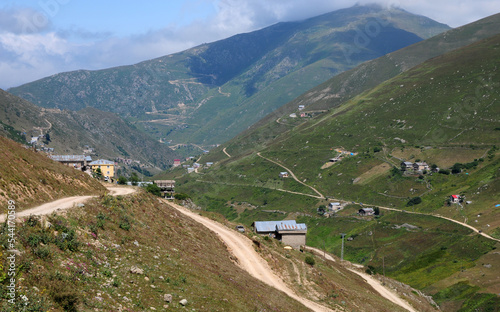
[(167, 298), (136, 270), (183, 302)]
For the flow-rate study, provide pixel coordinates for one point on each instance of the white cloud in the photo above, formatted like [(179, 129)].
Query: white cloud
[(30, 47)]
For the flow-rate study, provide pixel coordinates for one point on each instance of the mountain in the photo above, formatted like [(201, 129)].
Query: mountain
[(69, 132), (210, 93), (368, 75), (29, 178), (442, 112)]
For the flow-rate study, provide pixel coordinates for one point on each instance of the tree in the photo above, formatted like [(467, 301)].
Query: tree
[(134, 179), (376, 211), (122, 180), (98, 173)]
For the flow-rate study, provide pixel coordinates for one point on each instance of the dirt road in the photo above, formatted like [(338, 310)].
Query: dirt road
[(446, 218), (242, 248), (386, 293), (320, 196), (66, 203)]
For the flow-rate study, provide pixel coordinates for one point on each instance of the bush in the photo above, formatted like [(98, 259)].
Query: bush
[(42, 252), (414, 201), (125, 223), (153, 189), (181, 196), (122, 180), (310, 260), (444, 171)]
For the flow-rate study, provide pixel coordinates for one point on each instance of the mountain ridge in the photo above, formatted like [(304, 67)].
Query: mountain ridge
[(179, 97)]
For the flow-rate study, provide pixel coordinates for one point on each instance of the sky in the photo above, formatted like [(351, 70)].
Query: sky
[(39, 38)]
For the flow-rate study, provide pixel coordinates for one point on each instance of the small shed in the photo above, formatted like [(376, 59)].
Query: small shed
[(455, 198), (366, 212), (334, 206)]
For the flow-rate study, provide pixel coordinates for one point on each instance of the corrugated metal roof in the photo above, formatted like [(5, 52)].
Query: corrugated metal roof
[(102, 162), (68, 157), (293, 227), (270, 226)]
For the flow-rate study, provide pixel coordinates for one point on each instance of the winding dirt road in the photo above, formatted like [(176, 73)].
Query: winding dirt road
[(320, 196), (446, 218), (66, 203), (248, 259)]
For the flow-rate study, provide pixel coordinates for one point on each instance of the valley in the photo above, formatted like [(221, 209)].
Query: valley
[(344, 162)]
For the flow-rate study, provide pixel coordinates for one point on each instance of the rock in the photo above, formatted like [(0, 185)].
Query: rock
[(167, 298), (136, 243), (165, 306), (146, 278), (136, 270), (183, 302)]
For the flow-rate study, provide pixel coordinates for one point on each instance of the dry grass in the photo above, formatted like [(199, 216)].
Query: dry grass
[(31, 178)]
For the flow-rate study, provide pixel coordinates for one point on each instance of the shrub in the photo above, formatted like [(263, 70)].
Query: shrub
[(310, 260), (153, 189), (414, 201), (125, 223), (181, 196), (42, 252), (444, 171), (122, 180)]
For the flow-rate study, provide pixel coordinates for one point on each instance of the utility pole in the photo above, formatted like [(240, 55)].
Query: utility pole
[(383, 264), (342, 252)]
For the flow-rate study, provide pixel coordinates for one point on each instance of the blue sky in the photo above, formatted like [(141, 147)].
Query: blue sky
[(39, 38)]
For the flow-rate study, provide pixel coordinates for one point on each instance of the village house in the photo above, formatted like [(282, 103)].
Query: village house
[(284, 174), (366, 212), (406, 165), (107, 167), (209, 164), (75, 161), (301, 107), (289, 232), (166, 186), (455, 199), (177, 162), (334, 206), (420, 166)]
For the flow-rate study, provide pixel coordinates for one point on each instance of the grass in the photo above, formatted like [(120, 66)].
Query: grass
[(74, 268)]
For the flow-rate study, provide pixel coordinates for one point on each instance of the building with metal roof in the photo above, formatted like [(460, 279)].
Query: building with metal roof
[(289, 232), (76, 161)]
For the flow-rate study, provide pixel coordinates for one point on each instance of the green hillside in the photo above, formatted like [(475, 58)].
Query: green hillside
[(69, 132), (368, 75), (442, 112), (212, 92)]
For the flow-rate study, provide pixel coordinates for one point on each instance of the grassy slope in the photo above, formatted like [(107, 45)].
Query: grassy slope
[(90, 269), (444, 110), (368, 75), (69, 131), (31, 178)]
